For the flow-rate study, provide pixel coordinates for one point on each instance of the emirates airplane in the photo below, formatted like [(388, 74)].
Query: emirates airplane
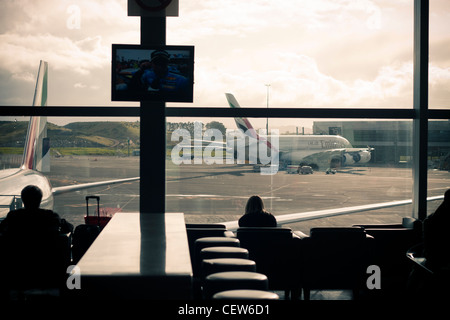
[(317, 151), (36, 159)]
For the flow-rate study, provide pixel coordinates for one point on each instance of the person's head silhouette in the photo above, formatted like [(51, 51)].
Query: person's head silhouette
[(31, 197), (254, 204)]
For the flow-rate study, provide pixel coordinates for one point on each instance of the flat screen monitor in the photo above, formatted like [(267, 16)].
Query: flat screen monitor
[(152, 73)]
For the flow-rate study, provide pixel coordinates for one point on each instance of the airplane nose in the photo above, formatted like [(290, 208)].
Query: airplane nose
[(365, 156)]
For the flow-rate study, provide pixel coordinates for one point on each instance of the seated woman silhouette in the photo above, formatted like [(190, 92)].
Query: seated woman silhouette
[(255, 214)]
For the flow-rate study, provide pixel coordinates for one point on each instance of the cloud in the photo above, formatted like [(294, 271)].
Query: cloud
[(79, 57), (20, 53), (42, 30), (322, 53), (79, 85), (244, 18), (297, 81)]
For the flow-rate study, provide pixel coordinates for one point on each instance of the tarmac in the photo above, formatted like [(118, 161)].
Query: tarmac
[(214, 193)]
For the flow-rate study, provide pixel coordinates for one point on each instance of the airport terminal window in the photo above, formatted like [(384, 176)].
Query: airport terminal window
[(438, 160), (387, 85), (366, 63), (82, 152), (209, 187), (439, 73)]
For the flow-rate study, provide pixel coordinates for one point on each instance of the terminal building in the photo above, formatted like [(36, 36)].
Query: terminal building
[(392, 140)]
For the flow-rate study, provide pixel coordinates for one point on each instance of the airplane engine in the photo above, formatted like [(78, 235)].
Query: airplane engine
[(364, 156), (355, 157), (348, 159)]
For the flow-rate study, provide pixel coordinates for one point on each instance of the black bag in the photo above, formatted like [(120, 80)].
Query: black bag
[(82, 238)]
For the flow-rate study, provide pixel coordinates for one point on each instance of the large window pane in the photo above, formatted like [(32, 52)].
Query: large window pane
[(312, 53), (439, 73), (82, 152), (438, 161), (217, 192)]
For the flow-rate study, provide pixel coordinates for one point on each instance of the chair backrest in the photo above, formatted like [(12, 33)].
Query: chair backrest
[(273, 250), (411, 223), (392, 242), (205, 225), (337, 235), (337, 241), (32, 262), (264, 238), (335, 256)]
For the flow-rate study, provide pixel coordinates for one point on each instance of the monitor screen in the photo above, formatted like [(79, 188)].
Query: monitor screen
[(152, 73)]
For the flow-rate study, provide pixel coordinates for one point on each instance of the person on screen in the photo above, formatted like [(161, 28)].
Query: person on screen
[(255, 214), (155, 75)]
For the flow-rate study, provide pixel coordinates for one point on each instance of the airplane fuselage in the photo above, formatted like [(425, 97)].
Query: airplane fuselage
[(12, 182), (320, 151), (312, 142)]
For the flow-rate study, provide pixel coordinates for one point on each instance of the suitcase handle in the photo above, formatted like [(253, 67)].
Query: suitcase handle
[(98, 205)]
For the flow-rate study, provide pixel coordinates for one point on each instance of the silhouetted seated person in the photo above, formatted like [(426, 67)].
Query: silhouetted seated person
[(36, 252), (255, 214), (32, 219), (436, 236)]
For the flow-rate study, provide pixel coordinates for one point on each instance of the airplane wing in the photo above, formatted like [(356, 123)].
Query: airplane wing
[(76, 187), (310, 215), (218, 145), (321, 158)]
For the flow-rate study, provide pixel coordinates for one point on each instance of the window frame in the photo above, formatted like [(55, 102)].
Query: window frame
[(419, 113)]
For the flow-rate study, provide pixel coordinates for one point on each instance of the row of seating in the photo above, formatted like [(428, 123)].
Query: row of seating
[(327, 258), (223, 270)]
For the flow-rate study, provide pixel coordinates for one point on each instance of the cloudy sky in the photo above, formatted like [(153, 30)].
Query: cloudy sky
[(322, 53)]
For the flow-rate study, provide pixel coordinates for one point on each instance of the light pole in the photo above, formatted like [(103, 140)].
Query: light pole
[(267, 121)]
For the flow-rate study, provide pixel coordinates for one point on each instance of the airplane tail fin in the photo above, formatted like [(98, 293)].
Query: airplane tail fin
[(245, 125), (241, 123), (37, 146)]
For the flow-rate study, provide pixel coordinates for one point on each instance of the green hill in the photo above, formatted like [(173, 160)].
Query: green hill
[(121, 131), (13, 133), (77, 134)]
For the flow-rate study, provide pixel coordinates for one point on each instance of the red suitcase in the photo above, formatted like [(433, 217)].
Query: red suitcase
[(99, 220)]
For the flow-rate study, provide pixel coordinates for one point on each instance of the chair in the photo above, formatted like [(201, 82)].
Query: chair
[(196, 258), (335, 258), (245, 294), (32, 262), (210, 266), (426, 280), (274, 249), (197, 231), (415, 255), (205, 226), (233, 280), (207, 242), (223, 252), (392, 241)]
